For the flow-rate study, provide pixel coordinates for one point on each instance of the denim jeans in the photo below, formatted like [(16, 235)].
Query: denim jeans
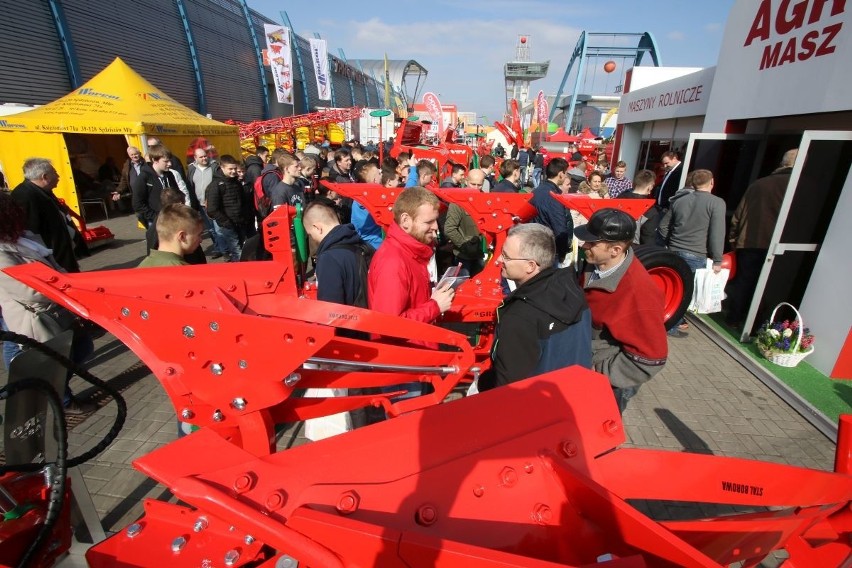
[(622, 395), (536, 176), (214, 232), (82, 347), (694, 261), (230, 241), (9, 349)]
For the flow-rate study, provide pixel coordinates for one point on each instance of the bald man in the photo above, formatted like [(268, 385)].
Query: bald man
[(339, 275), (462, 232)]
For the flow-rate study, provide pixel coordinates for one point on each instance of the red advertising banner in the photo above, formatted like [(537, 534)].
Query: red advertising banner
[(433, 107), (541, 107)]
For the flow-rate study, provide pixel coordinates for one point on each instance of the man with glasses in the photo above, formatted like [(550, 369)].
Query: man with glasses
[(44, 215), (628, 331), (545, 324)]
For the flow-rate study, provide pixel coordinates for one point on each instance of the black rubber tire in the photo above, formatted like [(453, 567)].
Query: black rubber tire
[(672, 274)]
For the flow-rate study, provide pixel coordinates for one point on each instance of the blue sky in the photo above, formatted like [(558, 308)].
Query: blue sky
[(464, 44)]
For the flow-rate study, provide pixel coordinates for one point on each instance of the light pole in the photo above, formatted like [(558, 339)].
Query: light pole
[(380, 114)]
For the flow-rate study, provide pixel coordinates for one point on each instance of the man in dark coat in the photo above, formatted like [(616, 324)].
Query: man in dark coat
[(338, 270), (129, 173), (511, 173), (341, 271), (225, 206), (750, 235), (255, 164), (545, 324), (177, 164), (45, 215), (551, 213), (153, 178)]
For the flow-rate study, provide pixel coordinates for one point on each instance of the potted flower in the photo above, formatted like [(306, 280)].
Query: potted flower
[(787, 342)]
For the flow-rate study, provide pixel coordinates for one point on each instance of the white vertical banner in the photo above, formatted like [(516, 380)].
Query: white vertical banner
[(319, 53), (280, 61)]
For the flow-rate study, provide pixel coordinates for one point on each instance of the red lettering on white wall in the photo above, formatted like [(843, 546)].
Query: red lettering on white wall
[(791, 16), (797, 16), (791, 50), (760, 25)]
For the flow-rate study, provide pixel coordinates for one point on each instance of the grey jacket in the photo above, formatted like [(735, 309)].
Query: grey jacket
[(20, 303), (695, 222)]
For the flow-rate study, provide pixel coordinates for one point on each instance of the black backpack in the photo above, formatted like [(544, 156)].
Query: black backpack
[(364, 253)]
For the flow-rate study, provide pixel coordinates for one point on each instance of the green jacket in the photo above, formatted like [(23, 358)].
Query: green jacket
[(162, 258), (460, 228)]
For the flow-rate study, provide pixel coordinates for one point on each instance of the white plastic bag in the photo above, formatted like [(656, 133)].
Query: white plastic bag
[(326, 426), (709, 290)]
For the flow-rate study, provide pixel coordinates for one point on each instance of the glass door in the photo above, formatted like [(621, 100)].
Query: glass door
[(816, 182)]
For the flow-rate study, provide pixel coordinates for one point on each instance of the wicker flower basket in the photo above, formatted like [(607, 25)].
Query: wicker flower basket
[(793, 357)]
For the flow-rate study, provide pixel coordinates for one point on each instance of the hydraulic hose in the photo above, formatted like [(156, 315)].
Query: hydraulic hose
[(121, 414), (56, 483)]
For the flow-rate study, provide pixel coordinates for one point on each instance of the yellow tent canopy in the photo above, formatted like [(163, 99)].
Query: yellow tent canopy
[(117, 101)]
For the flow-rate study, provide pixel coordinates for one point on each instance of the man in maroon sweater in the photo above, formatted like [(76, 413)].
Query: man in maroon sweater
[(628, 331)]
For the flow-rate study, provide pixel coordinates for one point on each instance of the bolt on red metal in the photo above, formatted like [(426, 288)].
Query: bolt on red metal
[(348, 502), (426, 515), (244, 482), (569, 449), (275, 500), (508, 477), (542, 514)]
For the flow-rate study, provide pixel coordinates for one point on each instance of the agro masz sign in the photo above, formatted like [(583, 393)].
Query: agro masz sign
[(786, 21), (782, 57)]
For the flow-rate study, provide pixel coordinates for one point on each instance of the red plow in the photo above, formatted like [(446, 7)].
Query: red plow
[(533, 474)]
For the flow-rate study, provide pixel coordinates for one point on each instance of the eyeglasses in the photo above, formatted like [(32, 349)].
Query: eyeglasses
[(506, 258)]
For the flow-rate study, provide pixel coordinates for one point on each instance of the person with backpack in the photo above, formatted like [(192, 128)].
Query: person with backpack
[(264, 185), (342, 258), (342, 262), (287, 191)]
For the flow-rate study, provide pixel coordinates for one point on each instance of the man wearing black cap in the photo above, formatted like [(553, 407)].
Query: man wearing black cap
[(628, 331)]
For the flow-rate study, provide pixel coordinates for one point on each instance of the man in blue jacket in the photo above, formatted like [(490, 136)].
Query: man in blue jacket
[(545, 324), (340, 276), (551, 213)]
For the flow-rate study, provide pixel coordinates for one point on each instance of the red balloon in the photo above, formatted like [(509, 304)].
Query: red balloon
[(523, 40), (609, 66)]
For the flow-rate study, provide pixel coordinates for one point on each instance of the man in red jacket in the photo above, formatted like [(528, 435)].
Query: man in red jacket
[(628, 331), (398, 282)]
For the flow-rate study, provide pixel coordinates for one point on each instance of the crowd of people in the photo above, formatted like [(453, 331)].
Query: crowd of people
[(604, 313)]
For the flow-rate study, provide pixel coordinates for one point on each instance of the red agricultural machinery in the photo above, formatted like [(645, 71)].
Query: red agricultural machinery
[(529, 475), (408, 139)]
